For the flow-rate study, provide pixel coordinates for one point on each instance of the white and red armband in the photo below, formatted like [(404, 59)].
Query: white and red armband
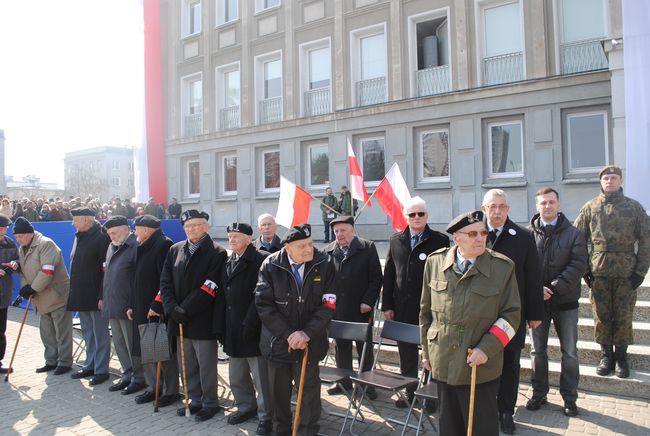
[(103, 266), (47, 270), (503, 331), (329, 300), (158, 298), (210, 288)]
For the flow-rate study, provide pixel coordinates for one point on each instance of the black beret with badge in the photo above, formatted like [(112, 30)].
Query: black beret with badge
[(610, 169), (244, 228), (82, 211), (193, 213), (147, 221), (342, 219), (297, 233), (464, 220), (115, 221)]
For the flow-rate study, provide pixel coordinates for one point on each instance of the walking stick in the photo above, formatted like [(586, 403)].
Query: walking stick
[(13, 354), (187, 398), (155, 404), (472, 393), (303, 370)]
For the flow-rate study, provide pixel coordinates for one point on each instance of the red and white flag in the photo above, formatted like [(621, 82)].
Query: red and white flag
[(392, 194), (357, 187), (293, 207)]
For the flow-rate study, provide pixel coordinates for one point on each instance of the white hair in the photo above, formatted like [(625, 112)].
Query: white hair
[(264, 216), (415, 201), (494, 193)]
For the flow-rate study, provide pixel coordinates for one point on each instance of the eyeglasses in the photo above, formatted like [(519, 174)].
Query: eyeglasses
[(475, 233), (414, 214), (498, 206)]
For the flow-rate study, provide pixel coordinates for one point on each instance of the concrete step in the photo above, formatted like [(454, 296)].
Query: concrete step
[(589, 353), (642, 293), (641, 310), (586, 331), (637, 385)]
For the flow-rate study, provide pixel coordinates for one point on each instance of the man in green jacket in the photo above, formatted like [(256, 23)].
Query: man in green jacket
[(328, 207), (469, 302)]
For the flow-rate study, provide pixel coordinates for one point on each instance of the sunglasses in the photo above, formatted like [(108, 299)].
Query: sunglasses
[(414, 214), (474, 233)]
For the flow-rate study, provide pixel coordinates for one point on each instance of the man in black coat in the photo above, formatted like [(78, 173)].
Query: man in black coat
[(407, 254), (86, 277), (152, 250), (268, 240), (8, 259), (189, 286), (518, 244), (357, 284), (295, 302), (247, 368)]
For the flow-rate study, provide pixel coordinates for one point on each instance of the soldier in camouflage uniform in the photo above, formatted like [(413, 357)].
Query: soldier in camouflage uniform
[(613, 224)]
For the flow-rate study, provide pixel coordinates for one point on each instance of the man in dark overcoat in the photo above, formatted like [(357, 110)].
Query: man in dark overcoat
[(357, 284), (189, 286), (518, 244), (8, 259), (238, 314), (86, 277), (152, 250), (407, 253)]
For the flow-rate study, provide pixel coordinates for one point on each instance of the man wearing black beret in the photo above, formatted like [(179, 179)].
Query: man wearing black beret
[(296, 302), (190, 284), (469, 301), (8, 259)]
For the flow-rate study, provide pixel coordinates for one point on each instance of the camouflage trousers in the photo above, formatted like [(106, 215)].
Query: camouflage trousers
[(613, 301)]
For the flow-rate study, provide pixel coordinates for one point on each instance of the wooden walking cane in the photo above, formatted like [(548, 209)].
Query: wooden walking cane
[(301, 385), (472, 393), (187, 398), (155, 404), (20, 331)]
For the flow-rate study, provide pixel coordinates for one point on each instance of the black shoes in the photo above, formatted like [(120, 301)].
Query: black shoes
[(401, 404), (98, 379), (264, 428), (336, 390), (3, 370), (239, 417), (206, 413), (606, 364), (147, 397), (61, 370), (45, 368), (133, 388), (119, 386), (193, 410), (506, 422), (371, 393), (622, 367), (82, 373), (168, 400), (570, 408), (535, 403)]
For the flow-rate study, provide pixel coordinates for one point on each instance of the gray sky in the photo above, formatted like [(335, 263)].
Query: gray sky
[(71, 77)]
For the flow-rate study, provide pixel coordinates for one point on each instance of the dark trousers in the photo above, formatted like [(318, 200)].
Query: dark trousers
[(344, 355), (328, 232), (3, 330), (282, 377), (408, 361), (454, 409), (509, 386)]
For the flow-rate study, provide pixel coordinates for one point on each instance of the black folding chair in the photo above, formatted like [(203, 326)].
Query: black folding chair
[(383, 379), (351, 331), (424, 392)]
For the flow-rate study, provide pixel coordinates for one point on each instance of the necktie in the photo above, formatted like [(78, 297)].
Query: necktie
[(296, 274), (344, 250), (492, 236), (414, 241), (231, 264), (548, 229), (465, 266)]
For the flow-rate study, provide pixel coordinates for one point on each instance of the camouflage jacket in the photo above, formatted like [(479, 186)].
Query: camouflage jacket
[(612, 225)]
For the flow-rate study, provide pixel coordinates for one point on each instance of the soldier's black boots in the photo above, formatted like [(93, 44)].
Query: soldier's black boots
[(606, 364), (622, 367)]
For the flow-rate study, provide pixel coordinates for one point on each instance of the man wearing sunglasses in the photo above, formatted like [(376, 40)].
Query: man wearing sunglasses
[(407, 252), (518, 244)]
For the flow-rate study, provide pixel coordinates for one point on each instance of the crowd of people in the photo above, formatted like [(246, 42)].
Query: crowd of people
[(272, 298)]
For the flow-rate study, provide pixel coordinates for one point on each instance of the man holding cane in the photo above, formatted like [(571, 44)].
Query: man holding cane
[(8, 263)]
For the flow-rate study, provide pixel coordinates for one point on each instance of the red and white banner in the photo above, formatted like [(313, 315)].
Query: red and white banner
[(357, 186), (293, 207), (503, 331), (48, 270), (392, 194)]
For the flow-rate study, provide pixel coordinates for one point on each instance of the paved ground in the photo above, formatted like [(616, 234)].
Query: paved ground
[(39, 404)]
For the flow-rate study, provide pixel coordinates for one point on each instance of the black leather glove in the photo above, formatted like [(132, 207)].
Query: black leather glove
[(249, 334), (179, 315), (589, 279), (26, 291), (636, 280)]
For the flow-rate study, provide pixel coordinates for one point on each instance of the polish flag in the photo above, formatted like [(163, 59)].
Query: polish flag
[(357, 187), (293, 207), (392, 194)]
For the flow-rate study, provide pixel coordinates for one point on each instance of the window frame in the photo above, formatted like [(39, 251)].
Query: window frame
[(420, 154), (305, 68), (261, 169), (504, 122), (119, 182), (308, 170), (566, 132), (360, 156), (259, 62), (186, 17), (260, 6), (186, 177), (355, 36), (221, 92), (221, 158), (186, 83), (222, 13)]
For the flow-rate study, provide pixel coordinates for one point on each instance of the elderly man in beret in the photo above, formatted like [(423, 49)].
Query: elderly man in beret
[(43, 277), (469, 301), (613, 225), (116, 300), (295, 302), (237, 315), (190, 284), (152, 250), (357, 283), (86, 277), (8, 259)]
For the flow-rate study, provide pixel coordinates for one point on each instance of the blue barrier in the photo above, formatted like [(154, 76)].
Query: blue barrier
[(62, 233)]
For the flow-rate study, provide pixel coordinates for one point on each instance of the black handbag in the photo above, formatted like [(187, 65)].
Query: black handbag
[(154, 342)]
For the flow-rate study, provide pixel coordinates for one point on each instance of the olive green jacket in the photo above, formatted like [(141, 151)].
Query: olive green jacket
[(612, 224), (457, 312)]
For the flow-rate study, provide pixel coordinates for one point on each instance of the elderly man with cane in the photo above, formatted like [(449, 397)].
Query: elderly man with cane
[(469, 301), (8, 260), (295, 302), (189, 286)]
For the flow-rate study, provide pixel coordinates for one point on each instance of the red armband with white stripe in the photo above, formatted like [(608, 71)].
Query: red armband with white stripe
[(103, 266), (48, 270), (503, 331), (329, 300), (158, 298), (210, 288)]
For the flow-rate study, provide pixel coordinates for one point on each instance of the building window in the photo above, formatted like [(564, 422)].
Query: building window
[(372, 159), (130, 166), (227, 11), (587, 142), (506, 149), (269, 87), (429, 53), (316, 73), (228, 96), (261, 5), (191, 17), (582, 29), (270, 170), (433, 152), (130, 182), (229, 174), (115, 165), (318, 165), (116, 181), (192, 105), (503, 58), (192, 178), (368, 51)]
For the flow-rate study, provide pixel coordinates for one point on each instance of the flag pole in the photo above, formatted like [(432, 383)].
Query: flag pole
[(364, 206), (319, 200)]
